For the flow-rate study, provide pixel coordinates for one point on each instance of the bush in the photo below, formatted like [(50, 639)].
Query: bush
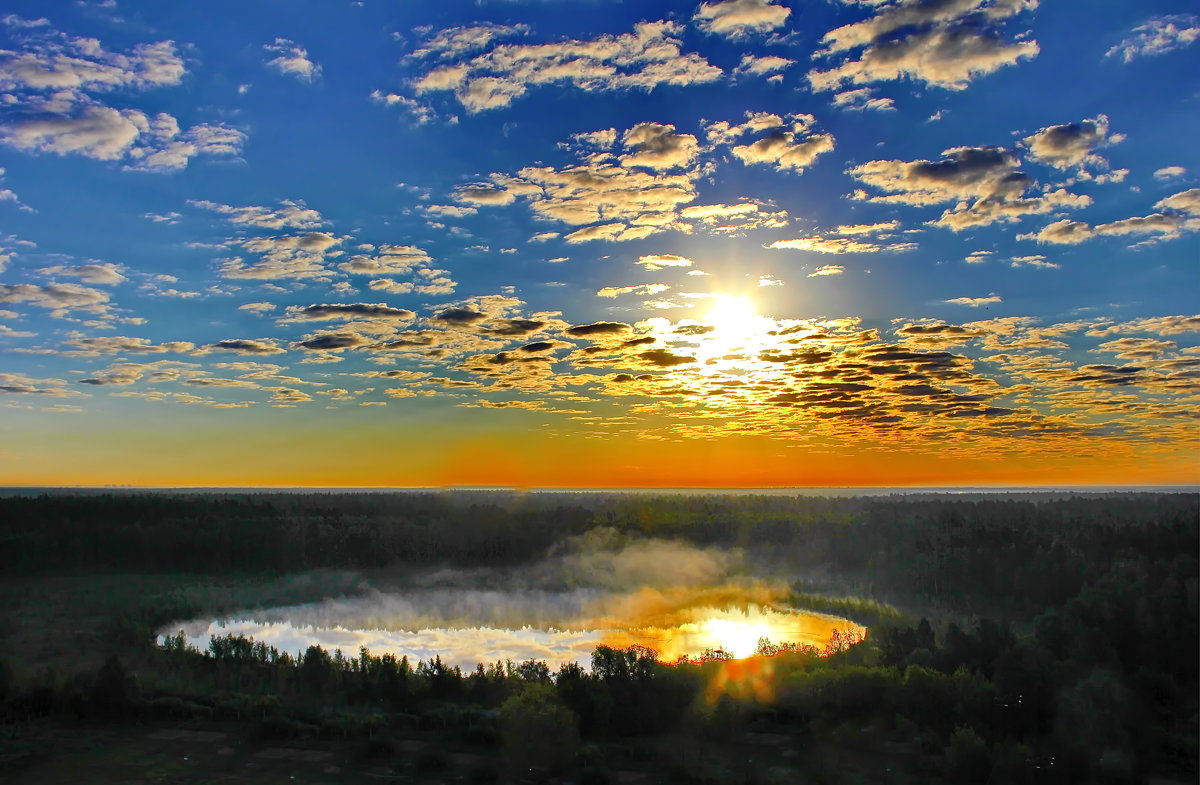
[(967, 758), (539, 730)]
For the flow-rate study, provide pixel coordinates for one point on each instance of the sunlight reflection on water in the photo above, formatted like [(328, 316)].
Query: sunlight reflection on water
[(556, 629)]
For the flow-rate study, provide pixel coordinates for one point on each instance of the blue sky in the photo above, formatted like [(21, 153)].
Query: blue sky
[(576, 242)]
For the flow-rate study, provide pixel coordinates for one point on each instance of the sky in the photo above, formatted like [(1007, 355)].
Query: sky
[(584, 243)]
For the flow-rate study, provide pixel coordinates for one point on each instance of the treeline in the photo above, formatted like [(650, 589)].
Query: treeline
[(270, 533), (1025, 553)]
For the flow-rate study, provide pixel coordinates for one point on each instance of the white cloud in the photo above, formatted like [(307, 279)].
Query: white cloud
[(739, 18), (1158, 36), (1169, 172), (785, 150), (976, 302), (455, 41), (1072, 144), (292, 60), (837, 245), (643, 289), (654, 262), (55, 297), (947, 44), (761, 65), (862, 99), (827, 269), (104, 273), (420, 114), (646, 58), (290, 214), (657, 146)]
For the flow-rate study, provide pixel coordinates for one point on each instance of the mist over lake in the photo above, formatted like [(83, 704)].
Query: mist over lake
[(599, 588)]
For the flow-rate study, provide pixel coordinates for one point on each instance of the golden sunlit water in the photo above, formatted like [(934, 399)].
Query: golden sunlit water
[(688, 632)]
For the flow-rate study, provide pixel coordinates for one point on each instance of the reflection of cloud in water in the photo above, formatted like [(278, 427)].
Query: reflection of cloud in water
[(468, 626)]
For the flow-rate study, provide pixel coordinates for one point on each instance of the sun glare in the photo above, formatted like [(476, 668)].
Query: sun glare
[(735, 325), (739, 638)]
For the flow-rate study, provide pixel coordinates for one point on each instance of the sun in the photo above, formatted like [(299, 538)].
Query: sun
[(730, 312), (735, 325)]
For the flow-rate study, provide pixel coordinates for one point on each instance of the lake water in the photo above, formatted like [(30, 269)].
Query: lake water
[(465, 626)]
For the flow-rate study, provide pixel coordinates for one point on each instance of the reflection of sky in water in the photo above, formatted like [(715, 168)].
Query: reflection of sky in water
[(466, 627)]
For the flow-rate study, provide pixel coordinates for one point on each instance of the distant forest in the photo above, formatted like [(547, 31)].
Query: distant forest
[(995, 550), (1061, 641)]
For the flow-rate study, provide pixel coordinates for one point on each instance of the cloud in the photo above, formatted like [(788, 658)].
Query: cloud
[(599, 328), (331, 342), (740, 18), (387, 260), (290, 256), (664, 358), (827, 269), (120, 344), (1036, 260), (19, 384), (103, 273), (489, 195), (248, 346), (448, 210), (1157, 325), (655, 262), (106, 134), (56, 297), (861, 100), (722, 132), (56, 62), (292, 60), (1071, 145), (1158, 36), (455, 41), (1185, 202), (875, 228), (290, 214), (964, 173), (657, 146), (420, 114), (645, 289), (985, 183), (54, 84), (96, 132), (1064, 232), (837, 245), (1180, 214), (1169, 172), (944, 43), (785, 150), (761, 65), (620, 202), (310, 313), (646, 58), (976, 302)]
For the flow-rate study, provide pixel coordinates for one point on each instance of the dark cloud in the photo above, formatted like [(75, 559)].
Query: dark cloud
[(348, 311), (516, 327), (664, 358), (325, 342), (242, 346), (459, 316), (598, 328)]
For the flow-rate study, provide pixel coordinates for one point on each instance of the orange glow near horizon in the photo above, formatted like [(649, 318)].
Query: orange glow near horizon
[(528, 459)]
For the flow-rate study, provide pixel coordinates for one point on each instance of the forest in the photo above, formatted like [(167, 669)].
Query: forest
[(1033, 638)]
